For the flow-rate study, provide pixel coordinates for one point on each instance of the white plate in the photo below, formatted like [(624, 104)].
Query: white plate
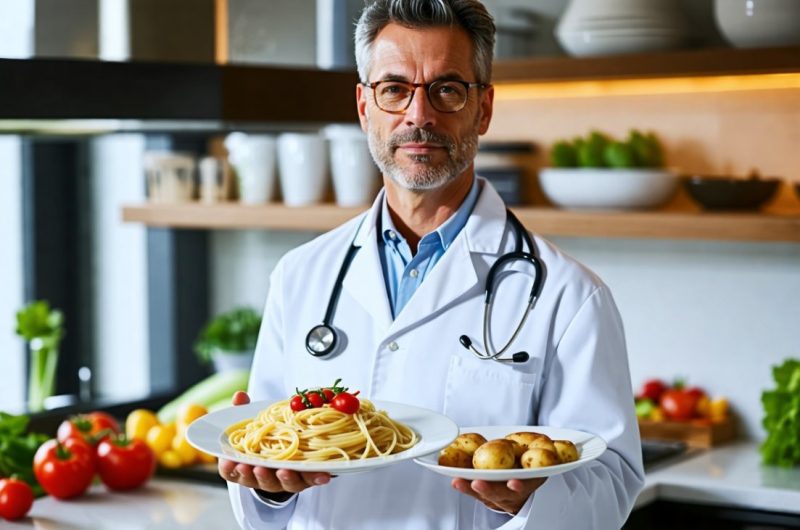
[(589, 447), (434, 430)]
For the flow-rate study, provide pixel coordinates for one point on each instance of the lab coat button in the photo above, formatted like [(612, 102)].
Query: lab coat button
[(393, 346), (392, 235), (413, 273)]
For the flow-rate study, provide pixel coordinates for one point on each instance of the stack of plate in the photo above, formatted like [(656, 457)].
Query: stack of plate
[(609, 27)]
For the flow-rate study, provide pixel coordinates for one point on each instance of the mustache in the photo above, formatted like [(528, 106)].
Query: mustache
[(420, 136)]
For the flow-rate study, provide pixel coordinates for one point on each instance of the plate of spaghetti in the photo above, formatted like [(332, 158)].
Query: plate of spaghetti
[(319, 436)]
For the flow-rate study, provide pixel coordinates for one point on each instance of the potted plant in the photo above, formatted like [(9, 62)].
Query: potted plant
[(229, 339), (43, 328), (598, 171)]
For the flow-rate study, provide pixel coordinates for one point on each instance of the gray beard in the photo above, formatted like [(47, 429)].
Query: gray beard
[(429, 177)]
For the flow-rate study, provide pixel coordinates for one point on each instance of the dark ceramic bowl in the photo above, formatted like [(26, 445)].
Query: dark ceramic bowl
[(725, 193)]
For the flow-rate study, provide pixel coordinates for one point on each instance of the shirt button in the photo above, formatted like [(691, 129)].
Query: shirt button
[(393, 346), (413, 273), (392, 235)]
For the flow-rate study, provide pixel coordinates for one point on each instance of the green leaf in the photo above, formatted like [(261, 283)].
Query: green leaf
[(233, 331), (38, 321), (782, 416), (563, 154)]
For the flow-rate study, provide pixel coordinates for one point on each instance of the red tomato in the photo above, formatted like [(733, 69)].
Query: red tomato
[(124, 464), (296, 403), (315, 399), (16, 498), (328, 394), (64, 469), (652, 389), (92, 427), (678, 404), (346, 402), (697, 392)]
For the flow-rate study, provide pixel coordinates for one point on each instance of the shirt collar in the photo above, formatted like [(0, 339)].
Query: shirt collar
[(446, 232)]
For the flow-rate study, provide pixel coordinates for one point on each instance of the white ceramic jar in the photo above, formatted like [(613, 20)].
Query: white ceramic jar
[(253, 158), (759, 23), (609, 27), (170, 176), (356, 178), (303, 164)]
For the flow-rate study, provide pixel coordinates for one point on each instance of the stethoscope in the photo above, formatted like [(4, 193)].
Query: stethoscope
[(322, 339)]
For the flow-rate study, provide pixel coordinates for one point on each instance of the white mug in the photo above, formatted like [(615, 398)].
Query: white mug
[(253, 158), (303, 163), (356, 178)]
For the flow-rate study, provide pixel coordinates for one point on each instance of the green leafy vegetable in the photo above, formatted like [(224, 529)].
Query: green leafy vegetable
[(782, 416), (235, 331), (17, 449), (599, 150), (43, 328)]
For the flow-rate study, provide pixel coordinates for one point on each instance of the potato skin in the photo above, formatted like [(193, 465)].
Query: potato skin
[(495, 454), (543, 443), (452, 456), (469, 442), (538, 457), (526, 438), (567, 452)]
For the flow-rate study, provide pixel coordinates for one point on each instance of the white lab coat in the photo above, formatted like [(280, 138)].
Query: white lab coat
[(577, 376)]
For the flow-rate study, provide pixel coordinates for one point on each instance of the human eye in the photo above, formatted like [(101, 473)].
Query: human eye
[(394, 89)]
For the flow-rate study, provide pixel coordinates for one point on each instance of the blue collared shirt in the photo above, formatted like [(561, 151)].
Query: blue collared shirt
[(402, 272)]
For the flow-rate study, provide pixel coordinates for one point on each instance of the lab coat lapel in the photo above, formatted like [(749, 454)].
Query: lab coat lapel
[(364, 280), (455, 274)]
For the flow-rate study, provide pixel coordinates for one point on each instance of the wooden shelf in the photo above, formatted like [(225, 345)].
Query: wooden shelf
[(660, 224), (705, 62)]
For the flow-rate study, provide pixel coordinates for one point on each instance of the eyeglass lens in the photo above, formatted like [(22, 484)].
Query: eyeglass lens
[(445, 96)]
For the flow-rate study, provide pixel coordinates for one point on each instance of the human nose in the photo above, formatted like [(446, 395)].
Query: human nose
[(420, 113)]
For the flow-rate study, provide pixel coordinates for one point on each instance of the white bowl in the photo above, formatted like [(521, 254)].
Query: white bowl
[(748, 24), (593, 43), (601, 188)]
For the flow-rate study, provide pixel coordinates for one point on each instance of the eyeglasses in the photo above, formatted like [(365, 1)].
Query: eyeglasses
[(445, 96)]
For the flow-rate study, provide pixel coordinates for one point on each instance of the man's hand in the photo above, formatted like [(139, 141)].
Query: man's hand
[(503, 496), (262, 478)]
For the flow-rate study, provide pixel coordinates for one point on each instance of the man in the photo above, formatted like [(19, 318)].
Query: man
[(416, 283)]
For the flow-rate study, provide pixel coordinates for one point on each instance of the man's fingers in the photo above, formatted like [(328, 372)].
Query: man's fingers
[(240, 398)]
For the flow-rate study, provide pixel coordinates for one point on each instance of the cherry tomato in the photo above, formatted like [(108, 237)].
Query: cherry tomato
[(328, 394), (346, 402), (16, 498), (315, 399), (64, 469), (124, 464), (652, 389), (296, 403), (678, 404), (92, 427)]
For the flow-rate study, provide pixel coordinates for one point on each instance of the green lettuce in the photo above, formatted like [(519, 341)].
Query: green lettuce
[(782, 417)]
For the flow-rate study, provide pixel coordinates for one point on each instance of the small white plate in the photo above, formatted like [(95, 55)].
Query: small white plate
[(434, 430), (589, 447)]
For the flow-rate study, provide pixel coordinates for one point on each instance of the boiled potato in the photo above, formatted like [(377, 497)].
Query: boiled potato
[(469, 442), (543, 443), (526, 438), (452, 456), (538, 457), (567, 452), (495, 454), (518, 448)]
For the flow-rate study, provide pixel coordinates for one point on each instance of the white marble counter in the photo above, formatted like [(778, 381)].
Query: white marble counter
[(730, 475), (161, 505)]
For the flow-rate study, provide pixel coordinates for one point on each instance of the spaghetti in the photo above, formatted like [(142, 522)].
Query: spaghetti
[(318, 434)]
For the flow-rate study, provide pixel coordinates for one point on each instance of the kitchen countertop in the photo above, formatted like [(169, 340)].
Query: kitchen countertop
[(728, 475)]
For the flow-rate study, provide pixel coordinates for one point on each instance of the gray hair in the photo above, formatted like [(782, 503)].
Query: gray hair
[(469, 15)]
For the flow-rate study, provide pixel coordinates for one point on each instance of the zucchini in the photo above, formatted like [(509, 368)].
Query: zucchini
[(214, 388)]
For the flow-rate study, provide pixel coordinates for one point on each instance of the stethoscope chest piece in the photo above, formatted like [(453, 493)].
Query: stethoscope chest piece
[(321, 340)]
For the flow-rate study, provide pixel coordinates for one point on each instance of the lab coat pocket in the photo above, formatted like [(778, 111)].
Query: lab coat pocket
[(479, 392)]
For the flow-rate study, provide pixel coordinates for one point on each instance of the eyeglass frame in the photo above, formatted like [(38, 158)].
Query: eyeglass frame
[(467, 85)]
